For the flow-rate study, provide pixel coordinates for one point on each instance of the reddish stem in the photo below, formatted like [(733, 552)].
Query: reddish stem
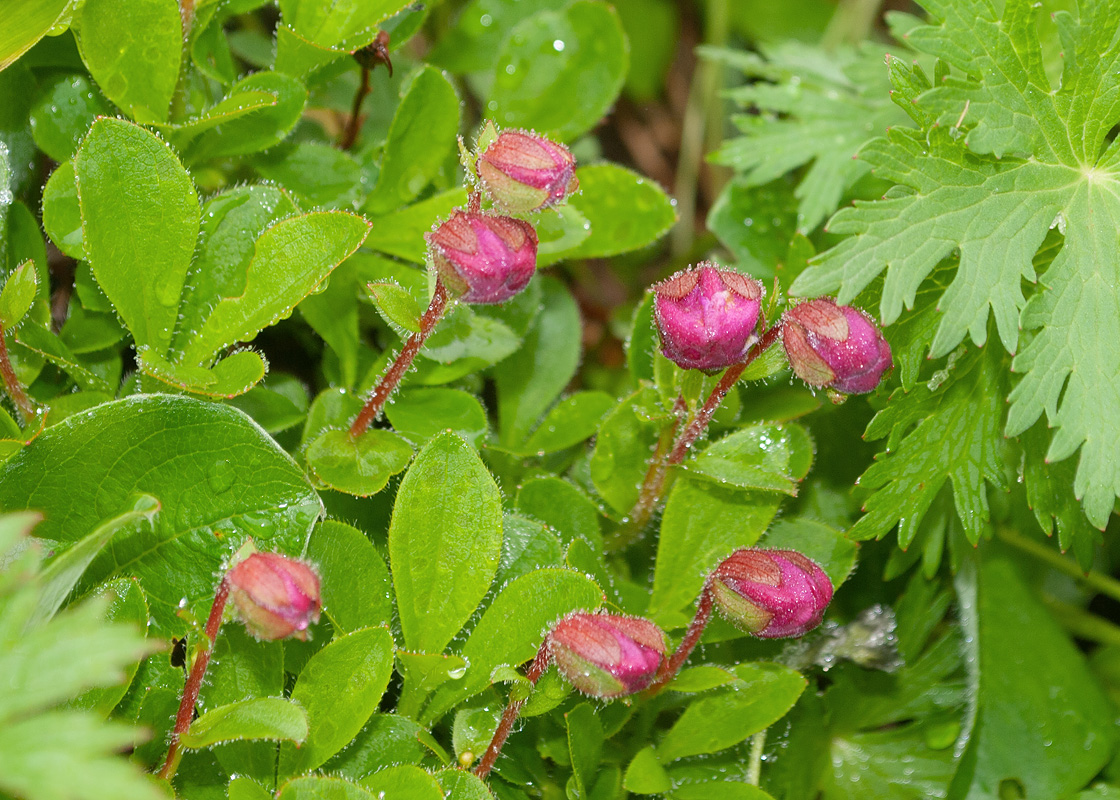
[(653, 485), (392, 376), (12, 385), (354, 124), (194, 680), (509, 716), (700, 422), (673, 664)]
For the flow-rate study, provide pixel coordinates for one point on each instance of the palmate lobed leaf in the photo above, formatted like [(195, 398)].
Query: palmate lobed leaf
[(1032, 158)]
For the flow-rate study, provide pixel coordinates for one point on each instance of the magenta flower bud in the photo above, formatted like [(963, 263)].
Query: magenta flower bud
[(523, 172), (483, 257), (707, 317), (773, 594), (836, 347), (607, 655), (275, 596)]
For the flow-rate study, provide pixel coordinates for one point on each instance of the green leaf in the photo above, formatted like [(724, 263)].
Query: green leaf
[(563, 507), (231, 223), (510, 630), (645, 775), (1033, 156), (46, 344), (259, 130), (405, 781), (357, 465), (420, 414), (560, 231), (809, 107), (320, 174), (18, 294), (1070, 731), (276, 406), (719, 790), (570, 421), (128, 605), (766, 457), (317, 788), (397, 305), (420, 138), (140, 222), (445, 541), (761, 696), (703, 523), (534, 376), (272, 718), (241, 788), (62, 218), (357, 595), (626, 210), (474, 42), (290, 259), (956, 437), (423, 673), (67, 106), (26, 24), (386, 739), (133, 53), (63, 571), (559, 72), (401, 233), (345, 25), (232, 376), (340, 687), (622, 448), (585, 744), (80, 745), (527, 545), (218, 477), (462, 785)]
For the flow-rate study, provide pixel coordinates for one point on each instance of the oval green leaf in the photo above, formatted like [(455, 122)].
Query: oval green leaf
[(360, 465), (273, 718)]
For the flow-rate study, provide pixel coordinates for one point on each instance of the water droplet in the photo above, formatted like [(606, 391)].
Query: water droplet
[(558, 45), (220, 476)]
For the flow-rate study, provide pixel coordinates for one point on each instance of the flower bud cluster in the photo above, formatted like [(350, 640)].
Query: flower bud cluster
[(488, 257)]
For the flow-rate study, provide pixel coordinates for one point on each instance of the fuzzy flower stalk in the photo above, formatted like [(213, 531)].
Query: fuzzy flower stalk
[(605, 656), (480, 256), (276, 597)]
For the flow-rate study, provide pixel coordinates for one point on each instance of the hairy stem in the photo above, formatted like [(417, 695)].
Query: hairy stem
[(700, 422), (354, 124), (194, 680), (392, 376), (653, 486), (12, 386), (670, 667), (509, 716)]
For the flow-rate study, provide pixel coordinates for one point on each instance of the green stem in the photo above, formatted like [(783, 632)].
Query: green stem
[(702, 125), (1108, 586), (754, 764), (851, 23)]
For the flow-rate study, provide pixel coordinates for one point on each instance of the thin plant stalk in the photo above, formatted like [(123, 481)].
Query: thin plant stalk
[(392, 376), (1098, 581), (509, 716), (194, 681), (12, 386), (653, 486), (377, 52), (754, 760), (672, 665)]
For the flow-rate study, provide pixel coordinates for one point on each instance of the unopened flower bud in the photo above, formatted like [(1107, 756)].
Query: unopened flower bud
[(607, 655), (707, 317), (275, 596), (483, 257), (835, 347), (773, 594), (523, 172)]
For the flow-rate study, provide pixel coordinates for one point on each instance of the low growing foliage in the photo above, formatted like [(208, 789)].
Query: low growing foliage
[(365, 433)]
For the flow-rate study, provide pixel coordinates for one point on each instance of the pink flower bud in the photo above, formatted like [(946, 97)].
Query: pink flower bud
[(837, 347), (275, 596), (523, 172), (607, 655), (707, 317), (773, 594), (483, 257)]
